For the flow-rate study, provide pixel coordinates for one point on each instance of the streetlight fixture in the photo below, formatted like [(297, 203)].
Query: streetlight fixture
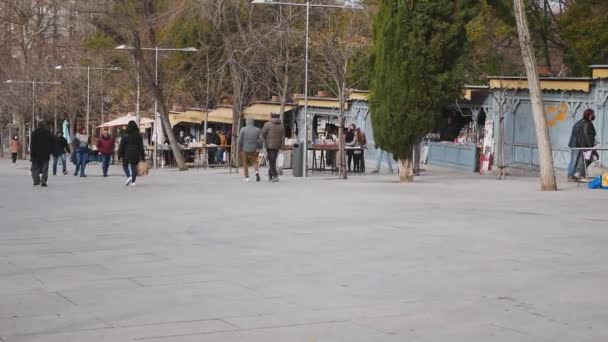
[(156, 50), (88, 69), (33, 83), (347, 4)]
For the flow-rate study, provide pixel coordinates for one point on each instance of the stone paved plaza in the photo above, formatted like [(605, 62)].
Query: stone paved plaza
[(201, 256)]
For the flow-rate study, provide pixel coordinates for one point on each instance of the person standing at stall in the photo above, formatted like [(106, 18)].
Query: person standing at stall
[(41, 150), (273, 133), (14, 148), (81, 146), (213, 140), (105, 146), (221, 150), (358, 155), (350, 141), (250, 142), (60, 149), (131, 151)]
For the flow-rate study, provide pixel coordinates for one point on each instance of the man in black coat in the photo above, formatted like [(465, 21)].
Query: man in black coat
[(41, 149)]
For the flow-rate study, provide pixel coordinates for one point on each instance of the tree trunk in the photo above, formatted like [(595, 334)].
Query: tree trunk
[(547, 173), (342, 171), (501, 134), (406, 169), (164, 118), (22, 137)]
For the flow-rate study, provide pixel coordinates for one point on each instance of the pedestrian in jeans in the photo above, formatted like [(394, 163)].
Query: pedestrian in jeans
[(274, 139), (41, 150), (250, 142), (583, 135), (131, 151), (60, 149), (81, 143), (380, 153), (105, 146), (14, 147)]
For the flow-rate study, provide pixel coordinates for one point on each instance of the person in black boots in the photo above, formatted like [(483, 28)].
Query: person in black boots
[(41, 149), (350, 141), (131, 151)]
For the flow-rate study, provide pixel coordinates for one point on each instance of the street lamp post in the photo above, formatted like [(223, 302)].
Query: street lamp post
[(347, 5), (156, 50), (33, 83), (88, 69)]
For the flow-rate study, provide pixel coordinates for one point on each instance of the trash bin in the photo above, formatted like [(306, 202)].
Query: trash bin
[(298, 159)]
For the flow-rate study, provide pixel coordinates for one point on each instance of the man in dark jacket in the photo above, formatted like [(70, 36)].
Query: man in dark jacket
[(583, 135), (273, 133), (60, 149), (41, 149)]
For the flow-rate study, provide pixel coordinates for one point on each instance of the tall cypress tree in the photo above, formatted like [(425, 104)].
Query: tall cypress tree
[(416, 70)]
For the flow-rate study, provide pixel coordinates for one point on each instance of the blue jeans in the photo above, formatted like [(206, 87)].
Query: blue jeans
[(220, 155), (105, 163), (385, 155), (572, 164), (82, 157), (63, 163), (130, 170)]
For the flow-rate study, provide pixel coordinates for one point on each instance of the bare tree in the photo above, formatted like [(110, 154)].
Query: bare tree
[(547, 172), (137, 22), (340, 49)]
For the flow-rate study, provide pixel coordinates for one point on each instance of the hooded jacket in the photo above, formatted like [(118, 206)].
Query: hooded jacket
[(274, 134), (250, 137)]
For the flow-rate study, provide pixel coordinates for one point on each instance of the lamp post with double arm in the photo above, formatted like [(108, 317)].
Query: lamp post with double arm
[(346, 5)]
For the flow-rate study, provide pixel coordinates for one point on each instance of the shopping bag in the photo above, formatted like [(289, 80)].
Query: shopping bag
[(280, 161), (595, 183), (142, 168)]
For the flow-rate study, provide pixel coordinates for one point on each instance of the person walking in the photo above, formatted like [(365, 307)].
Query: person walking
[(14, 148), (583, 135), (250, 142), (131, 151), (41, 150), (273, 133), (60, 149), (380, 153), (105, 146), (81, 146)]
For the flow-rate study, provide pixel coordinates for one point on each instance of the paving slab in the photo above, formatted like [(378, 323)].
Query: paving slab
[(202, 256)]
